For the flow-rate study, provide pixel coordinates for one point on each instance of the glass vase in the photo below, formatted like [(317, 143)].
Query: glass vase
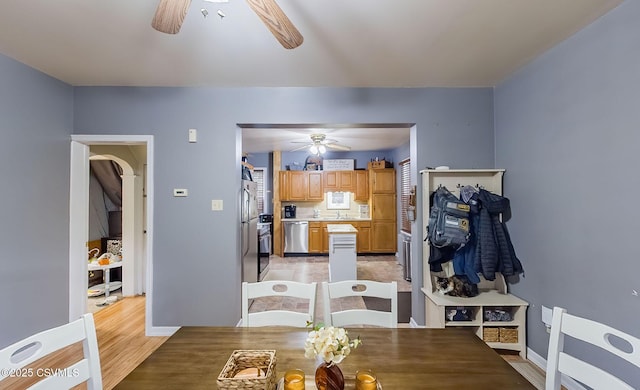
[(329, 377)]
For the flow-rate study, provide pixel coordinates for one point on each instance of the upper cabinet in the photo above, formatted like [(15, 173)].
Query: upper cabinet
[(301, 185), (316, 188), (383, 181), (362, 185), (339, 181), (311, 185)]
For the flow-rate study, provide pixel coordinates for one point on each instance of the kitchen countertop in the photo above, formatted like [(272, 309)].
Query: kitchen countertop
[(333, 228), (325, 219)]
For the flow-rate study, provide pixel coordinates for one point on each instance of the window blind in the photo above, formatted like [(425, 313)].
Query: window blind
[(258, 177), (405, 189)]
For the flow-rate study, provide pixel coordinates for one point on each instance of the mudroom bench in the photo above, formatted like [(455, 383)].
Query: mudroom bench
[(497, 317)]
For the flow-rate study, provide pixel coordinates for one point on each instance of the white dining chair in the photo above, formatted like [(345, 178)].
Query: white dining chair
[(559, 362), (278, 288), (360, 288), (16, 357)]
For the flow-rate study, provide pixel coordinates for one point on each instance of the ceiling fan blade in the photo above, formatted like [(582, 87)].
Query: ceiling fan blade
[(170, 15), (300, 148), (277, 22), (338, 147)]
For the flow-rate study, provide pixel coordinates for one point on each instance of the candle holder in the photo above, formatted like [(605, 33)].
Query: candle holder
[(294, 379), (366, 380)]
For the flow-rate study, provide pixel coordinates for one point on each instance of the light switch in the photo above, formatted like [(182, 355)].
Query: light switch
[(216, 205), (193, 135), (180, 192)]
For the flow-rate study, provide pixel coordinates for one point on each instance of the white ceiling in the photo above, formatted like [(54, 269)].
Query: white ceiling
[(347, 43), (384, 43)]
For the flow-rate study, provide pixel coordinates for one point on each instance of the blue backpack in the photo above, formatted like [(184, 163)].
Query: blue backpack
[(448, 220)]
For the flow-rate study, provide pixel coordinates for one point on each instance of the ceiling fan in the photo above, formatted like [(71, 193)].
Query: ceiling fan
[(171, 13), (319, 144)]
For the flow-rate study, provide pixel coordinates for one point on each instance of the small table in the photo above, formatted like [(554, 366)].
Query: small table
[(342, 252), (108, 284)]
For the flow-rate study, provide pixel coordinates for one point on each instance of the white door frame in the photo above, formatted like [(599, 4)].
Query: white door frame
[(79, 217)]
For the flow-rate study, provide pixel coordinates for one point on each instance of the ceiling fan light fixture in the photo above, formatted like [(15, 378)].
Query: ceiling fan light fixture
[(322, 149), (313, 149)]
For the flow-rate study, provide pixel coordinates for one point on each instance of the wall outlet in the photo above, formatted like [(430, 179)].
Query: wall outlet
[(193, 135), (216, 205)]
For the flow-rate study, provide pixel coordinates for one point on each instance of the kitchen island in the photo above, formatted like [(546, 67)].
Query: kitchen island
[(342, 252)]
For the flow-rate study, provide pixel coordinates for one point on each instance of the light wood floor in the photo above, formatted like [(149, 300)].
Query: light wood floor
[(121, 340)]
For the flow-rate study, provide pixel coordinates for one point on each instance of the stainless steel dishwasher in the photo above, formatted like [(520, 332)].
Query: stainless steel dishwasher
[(296, 237)]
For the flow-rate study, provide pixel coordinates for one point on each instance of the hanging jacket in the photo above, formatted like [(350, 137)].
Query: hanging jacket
[(464, 259), (494, 250)]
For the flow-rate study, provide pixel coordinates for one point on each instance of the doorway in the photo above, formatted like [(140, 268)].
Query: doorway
[(137, 216)]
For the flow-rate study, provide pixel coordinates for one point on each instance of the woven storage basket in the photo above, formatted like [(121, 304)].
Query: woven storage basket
[(491, 335), (241, 359), (508, 335)]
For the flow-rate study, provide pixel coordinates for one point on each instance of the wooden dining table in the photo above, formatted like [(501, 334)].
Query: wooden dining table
[(402, 358)]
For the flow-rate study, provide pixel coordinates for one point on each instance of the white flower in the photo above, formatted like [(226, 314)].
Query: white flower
[(331, 344)]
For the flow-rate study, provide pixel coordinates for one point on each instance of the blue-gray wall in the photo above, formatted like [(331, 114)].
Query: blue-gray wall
[(567, 130), (36, 118), (361, 158), (196, 253)]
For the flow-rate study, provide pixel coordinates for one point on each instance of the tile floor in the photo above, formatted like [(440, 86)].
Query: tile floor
[(316, 269)]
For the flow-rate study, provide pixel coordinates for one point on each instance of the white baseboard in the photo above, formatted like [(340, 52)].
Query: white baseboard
[(162, 330), (541, 362)]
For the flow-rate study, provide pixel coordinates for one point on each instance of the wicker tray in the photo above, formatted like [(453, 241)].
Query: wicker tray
[(310, 383), (241, 359)]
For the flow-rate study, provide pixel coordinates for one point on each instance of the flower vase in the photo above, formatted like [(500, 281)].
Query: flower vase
[(329, 377)]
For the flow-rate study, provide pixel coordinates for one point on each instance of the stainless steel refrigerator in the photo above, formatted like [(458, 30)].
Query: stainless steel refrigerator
[(249, 231)]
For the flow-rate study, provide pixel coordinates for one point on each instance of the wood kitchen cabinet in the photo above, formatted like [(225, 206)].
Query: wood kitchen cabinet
[(315, 237), (339, 181), (356, 182), (382, 201), (315, 189), (382, 181), (383, 207), (362, 185), (301, 185), (364, 237), (298, 185), (383, 238)]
